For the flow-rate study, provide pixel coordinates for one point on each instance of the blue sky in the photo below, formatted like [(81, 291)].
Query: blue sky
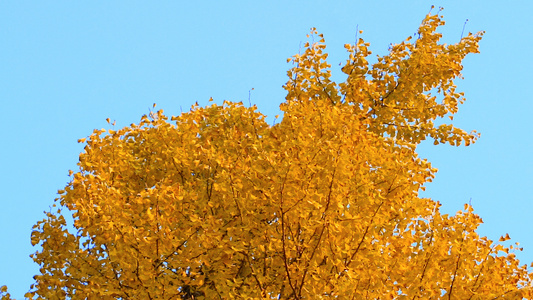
[(67, 66)]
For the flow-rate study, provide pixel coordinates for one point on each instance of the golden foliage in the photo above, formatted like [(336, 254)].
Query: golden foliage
[(217, 204)]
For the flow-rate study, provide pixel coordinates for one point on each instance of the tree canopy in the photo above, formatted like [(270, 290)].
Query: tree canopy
[(217, 204)]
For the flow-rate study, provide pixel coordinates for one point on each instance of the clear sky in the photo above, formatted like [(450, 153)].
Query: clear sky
[(66, 66)]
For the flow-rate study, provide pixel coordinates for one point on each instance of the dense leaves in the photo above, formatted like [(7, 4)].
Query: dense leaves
[(218, 204)]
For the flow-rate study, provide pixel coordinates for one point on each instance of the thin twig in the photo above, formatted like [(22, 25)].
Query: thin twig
[(462, 32)]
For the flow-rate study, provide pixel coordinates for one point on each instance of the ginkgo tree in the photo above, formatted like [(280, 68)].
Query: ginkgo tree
[(217, 204)]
